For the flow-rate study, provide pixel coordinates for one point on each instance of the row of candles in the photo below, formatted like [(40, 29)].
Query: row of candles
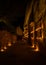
[(7, 40)]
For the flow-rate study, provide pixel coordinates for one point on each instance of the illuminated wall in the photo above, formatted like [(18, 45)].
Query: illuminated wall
[(37, 27), (26, 20), (37, 31)]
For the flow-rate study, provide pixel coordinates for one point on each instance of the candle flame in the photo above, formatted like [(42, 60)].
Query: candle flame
[(9, 43), (2, 50), (37, 48)]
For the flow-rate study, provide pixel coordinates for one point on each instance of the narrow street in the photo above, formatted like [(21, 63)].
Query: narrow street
[(21, 54)]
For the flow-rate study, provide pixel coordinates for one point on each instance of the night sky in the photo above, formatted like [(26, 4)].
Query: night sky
[(14, 11)]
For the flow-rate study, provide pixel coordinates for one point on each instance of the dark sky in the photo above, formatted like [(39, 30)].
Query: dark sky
[(14, 10)]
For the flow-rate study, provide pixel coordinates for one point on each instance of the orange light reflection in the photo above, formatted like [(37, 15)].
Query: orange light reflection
[(38, 28)]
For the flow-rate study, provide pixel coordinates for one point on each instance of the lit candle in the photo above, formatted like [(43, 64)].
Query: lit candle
[(33, 45), (9, 43), (2, 50), (5, 47), (37, 48)]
